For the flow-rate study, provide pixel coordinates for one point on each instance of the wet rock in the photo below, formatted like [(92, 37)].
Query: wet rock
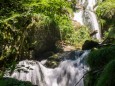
[(89, 44)]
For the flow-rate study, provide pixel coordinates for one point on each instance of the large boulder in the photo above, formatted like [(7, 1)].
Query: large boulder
[(89, 44)]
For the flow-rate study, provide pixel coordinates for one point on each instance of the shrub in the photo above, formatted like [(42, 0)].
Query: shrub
[(107, 77), (25, 25), (99, 58), (80, 36), (106, 14)]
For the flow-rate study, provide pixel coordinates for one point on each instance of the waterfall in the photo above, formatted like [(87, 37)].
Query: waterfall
[(85, 15), (69, 72)]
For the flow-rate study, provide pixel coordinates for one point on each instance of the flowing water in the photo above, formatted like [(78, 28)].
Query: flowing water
[(70, 72), (73, 65), (85, 15)]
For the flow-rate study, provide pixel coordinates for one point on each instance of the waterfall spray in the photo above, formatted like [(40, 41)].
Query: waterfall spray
[(68, 73)]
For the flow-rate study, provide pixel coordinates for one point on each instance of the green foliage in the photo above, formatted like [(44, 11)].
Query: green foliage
[(9, 8), (107, 77), (48, 7), (106, 14), (53, 61), (99, 58), (35, 25), (80, 36), (106, 9), (91, 78), (13, 82), (27, 25)]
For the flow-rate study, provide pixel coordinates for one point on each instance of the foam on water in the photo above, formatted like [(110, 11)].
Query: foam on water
[(68, 73)]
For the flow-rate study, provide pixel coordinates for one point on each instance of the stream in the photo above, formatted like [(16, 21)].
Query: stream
[(72, 68)]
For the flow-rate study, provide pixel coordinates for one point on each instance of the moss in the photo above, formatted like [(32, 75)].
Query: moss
[(13, 82), (99, 58), (91, 78), (107, 78), (53, 61), (1, 73), (31, 28)]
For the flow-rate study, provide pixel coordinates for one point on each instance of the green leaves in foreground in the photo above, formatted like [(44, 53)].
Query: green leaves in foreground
[(107, 77), (99, 58), (102, 64)]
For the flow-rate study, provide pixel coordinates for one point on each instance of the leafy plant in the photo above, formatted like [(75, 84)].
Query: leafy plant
[(32, 25), (106, 14), (80, 36), (13, 82), (107, 77), (97, 60)]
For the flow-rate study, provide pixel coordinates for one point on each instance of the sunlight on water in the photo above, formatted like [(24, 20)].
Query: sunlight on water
[(68, 73)]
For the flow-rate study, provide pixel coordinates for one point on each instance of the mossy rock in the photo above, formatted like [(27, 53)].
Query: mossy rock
[(107, 78), (53, 61), (99, 58), (13, 82), (97, 61)]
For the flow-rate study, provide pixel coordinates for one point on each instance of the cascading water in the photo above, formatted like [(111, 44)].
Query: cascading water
[(69, 73), (85, 15), (72, 68)]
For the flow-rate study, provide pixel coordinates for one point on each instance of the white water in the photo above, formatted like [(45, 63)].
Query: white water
[(68, 73), (85, 15), (78, 17), (72, 68)]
